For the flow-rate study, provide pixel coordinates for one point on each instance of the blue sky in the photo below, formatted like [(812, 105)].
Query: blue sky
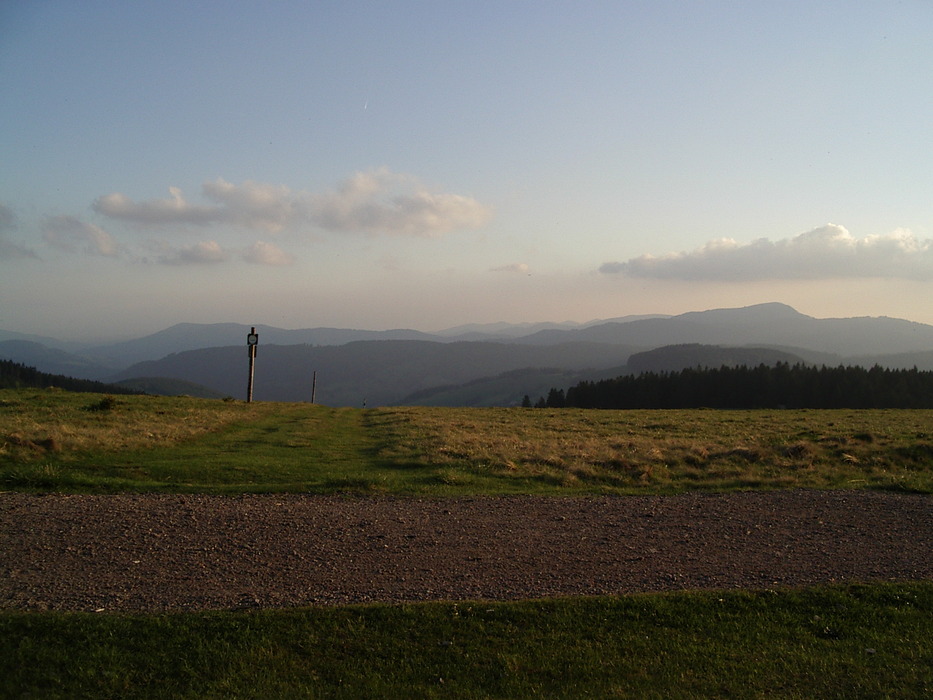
[(429, 164)]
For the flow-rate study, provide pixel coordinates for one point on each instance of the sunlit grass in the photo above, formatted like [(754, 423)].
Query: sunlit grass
[(49, 420), (672, 449), (61, 441), (856, 641)]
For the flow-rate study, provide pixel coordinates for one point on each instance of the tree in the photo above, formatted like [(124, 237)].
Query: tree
[(798, 386), (555, 398)]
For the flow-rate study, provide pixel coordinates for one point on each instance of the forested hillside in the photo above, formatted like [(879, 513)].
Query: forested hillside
[(671, 358), (14, 376), (784, 385)]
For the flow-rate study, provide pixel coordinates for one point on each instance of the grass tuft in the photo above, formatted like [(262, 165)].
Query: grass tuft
[(108, 403)]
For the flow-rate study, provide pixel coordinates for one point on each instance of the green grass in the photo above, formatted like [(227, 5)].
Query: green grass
[(53, 440), (851, 641), (840, 642)]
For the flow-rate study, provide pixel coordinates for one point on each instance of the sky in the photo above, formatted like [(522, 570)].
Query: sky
[(425, 164)]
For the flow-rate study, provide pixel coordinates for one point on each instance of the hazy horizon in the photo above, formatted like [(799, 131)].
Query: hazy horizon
[(429, 165), (467, 327)]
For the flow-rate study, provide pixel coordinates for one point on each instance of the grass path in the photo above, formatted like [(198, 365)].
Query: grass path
[(298, 447), (287, 448), (66, 442)]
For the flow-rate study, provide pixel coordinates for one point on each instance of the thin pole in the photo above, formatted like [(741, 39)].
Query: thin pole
[(313, 385), (252, 362)]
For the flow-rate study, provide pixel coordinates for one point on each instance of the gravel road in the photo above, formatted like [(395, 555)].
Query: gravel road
[(190, 552)]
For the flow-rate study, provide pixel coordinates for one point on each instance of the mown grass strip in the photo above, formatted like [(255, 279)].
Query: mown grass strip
[(280, 447), (842, 641)]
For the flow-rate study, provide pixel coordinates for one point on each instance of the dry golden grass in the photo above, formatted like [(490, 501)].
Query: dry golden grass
[(269, 446), (627, 448), (52, 421)]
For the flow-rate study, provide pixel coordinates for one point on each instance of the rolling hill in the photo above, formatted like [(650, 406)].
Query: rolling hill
[(672, 358), (763, 324), (368, 372), (54, 360), (482, 364)]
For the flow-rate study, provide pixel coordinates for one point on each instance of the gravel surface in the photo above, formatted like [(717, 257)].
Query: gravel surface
[(183, 552)]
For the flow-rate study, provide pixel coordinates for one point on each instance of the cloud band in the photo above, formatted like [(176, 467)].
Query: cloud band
[(826, 252), (377, 201)]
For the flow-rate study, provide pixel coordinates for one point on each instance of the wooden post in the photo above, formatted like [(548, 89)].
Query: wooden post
[(252, 340), (313, 385)]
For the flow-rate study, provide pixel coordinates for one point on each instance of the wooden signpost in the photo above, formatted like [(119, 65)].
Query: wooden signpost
[(252, 340)]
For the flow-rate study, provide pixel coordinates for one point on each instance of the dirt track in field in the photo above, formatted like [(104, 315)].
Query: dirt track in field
[(183, 552)]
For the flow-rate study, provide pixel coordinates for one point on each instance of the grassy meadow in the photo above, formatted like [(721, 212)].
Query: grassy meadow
[(54, 440), (830, 641)]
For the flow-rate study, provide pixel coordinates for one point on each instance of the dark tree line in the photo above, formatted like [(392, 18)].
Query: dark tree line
[(764, 386), (16, 376)]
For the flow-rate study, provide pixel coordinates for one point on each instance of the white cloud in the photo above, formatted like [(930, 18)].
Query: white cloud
[(206, 252), (174, 210), (69, 234), (826, 252), (381, 201), (517, 268), (252, 204), (377, 201), (7, 219), (265, 253), (8, 249), (13, 251)]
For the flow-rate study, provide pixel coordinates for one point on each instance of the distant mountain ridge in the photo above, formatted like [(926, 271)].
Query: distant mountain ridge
[(503, 330), (762, 324), (772, 324), (14, 375), (376, 372), (673, 358), (72, 346), (195, 336), (493, 359), (52, 360)]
